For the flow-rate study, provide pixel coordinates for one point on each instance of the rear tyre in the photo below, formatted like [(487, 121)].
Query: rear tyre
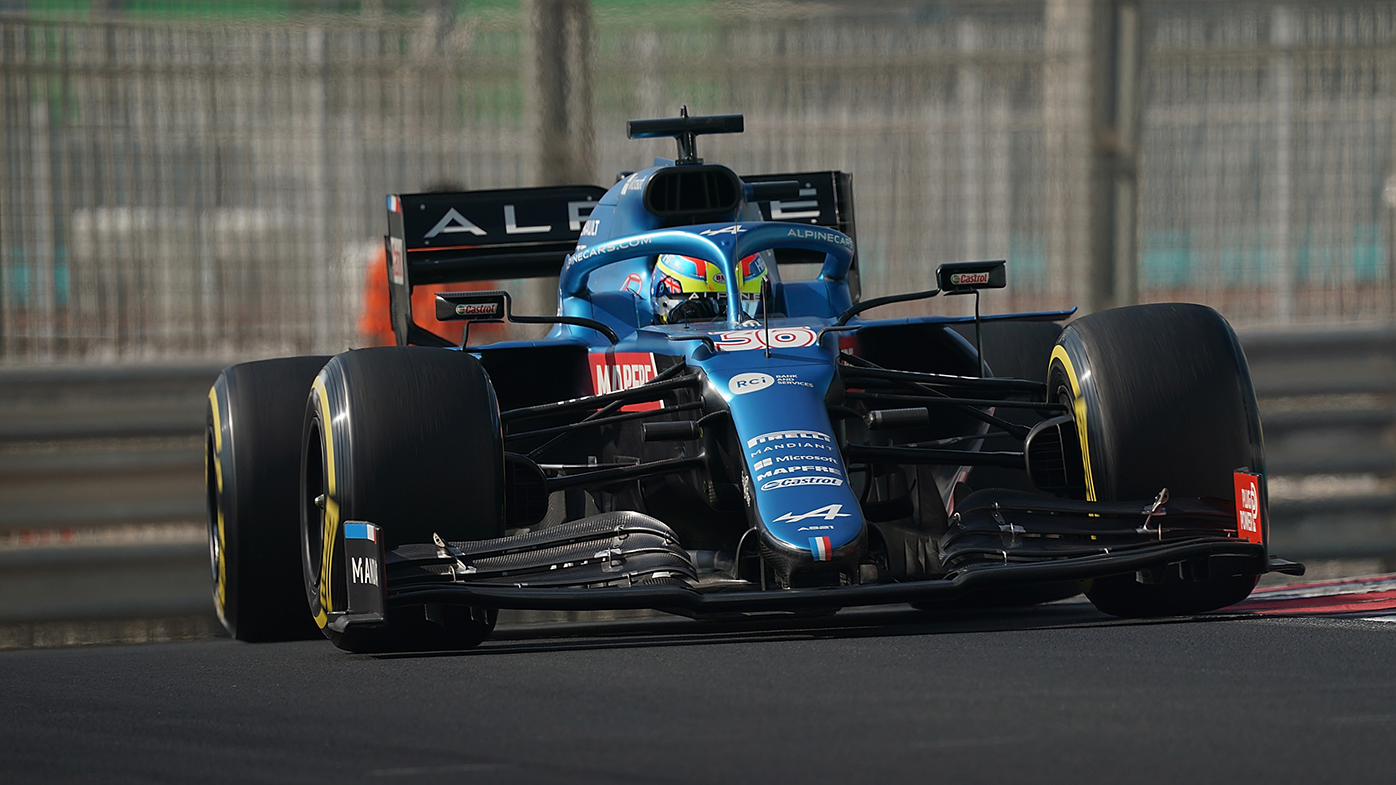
[(407, 438), (251, 471), (1163, 399)]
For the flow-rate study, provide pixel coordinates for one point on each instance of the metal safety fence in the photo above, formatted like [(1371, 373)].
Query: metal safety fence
[(209, 184)]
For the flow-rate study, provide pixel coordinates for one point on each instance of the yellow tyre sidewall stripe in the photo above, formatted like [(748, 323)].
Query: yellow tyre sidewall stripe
[(1059, 354), (220, 594), (331, 514)]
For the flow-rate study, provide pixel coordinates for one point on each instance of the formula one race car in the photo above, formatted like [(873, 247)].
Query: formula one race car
[(703, 435)]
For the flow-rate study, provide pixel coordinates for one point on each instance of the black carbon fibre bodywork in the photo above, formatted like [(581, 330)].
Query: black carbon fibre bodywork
[(1005, 539), (1221, 553)]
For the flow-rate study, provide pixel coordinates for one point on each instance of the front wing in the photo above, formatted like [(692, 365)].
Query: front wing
[(621, 561)]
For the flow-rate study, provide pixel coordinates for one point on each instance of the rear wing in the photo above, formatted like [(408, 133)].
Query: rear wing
[(528, 233), (478, 236), (825, 199)]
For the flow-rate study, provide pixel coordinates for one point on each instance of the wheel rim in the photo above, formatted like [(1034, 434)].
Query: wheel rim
[(1060, 388), (217, 544), (313, 483)]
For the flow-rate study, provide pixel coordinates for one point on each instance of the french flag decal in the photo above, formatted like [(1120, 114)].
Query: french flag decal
[(821, 547), (361, 531), (394, 204)]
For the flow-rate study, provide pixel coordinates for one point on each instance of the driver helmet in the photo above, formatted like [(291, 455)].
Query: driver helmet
[(690, 289)]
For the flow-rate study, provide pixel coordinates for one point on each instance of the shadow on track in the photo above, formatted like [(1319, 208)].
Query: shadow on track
[(896, 621)]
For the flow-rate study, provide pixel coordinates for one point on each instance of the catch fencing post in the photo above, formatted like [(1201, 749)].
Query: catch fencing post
[(1121, 107), (557, 101), (558, 91), (1282, 79), (1067, 133)]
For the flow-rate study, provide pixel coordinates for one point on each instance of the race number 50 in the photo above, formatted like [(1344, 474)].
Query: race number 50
[(781, 338)]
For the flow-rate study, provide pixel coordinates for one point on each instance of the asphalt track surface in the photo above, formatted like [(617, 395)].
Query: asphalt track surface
[(1055, 694)]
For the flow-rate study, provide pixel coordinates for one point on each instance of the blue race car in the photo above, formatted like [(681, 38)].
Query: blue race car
[(708, 432)]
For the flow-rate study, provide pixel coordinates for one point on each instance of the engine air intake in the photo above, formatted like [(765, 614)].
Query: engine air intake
[(693, 192)]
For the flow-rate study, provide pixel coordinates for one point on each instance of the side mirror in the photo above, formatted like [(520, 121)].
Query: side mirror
[(495, 306), (966, 277), (472, 306)]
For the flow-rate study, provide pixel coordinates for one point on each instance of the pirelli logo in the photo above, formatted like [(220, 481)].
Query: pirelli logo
[(781, 436)]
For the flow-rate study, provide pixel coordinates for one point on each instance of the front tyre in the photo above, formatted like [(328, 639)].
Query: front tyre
[(1162, 398), (407, 438), (252, 469)]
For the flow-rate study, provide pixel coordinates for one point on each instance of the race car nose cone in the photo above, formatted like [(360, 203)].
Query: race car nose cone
[(799, 494)]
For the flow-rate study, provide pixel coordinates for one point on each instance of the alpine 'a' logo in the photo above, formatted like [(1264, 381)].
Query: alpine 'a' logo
[(828, 513)]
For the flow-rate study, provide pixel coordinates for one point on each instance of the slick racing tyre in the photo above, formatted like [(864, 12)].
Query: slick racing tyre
[(1162, 398), (409, 439), (252, 469)]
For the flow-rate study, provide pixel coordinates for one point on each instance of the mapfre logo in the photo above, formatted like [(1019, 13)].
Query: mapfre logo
[(621, 371), (743, 383), (614, 371), (969, 279)]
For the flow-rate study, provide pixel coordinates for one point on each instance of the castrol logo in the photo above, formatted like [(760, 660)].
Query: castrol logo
[(477, 309), (969, 279)]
